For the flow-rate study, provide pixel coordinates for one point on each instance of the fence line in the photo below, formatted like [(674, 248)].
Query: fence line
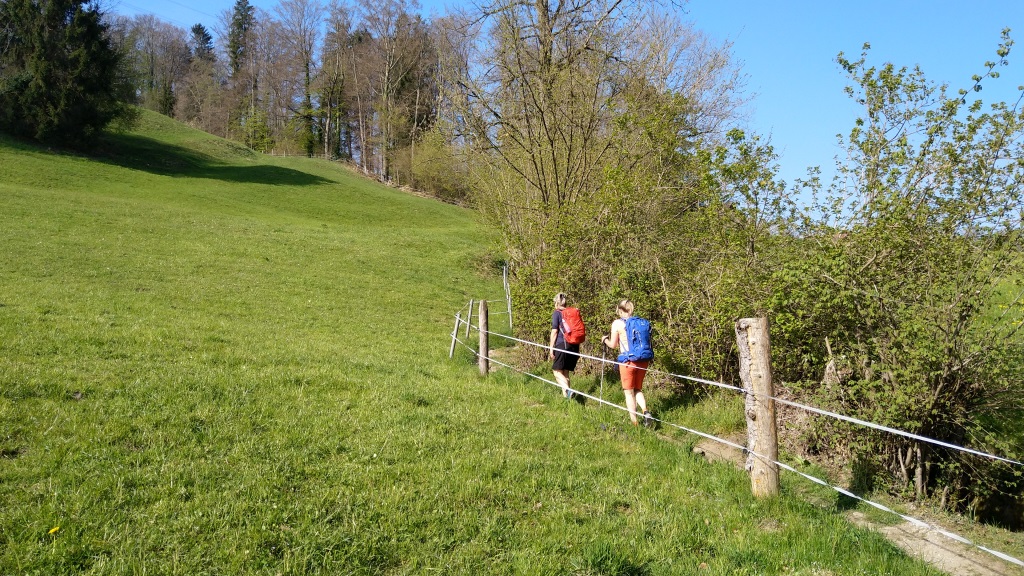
[(813, 409), (496, 312), (915, 521)]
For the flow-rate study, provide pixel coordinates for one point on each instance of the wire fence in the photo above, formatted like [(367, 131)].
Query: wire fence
[(914, 521), (790, 403)]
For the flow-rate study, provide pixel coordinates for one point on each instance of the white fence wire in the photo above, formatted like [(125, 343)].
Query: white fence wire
[(790, 403), (915, 521)]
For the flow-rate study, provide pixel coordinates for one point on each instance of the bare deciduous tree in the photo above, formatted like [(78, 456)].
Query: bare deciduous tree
[(556, 93), (159, 57), (330, 85), (400, 39), (301, 21)]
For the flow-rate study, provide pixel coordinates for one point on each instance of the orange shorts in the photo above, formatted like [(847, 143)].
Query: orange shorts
[(632, 374)]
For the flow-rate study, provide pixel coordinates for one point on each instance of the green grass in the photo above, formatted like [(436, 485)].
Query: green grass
[(212, 362)]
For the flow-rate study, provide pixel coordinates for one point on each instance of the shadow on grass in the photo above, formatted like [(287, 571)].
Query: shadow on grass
[(862, 482), (148, 155), (678, 397)]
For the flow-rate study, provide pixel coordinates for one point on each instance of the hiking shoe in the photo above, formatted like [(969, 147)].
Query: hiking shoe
[(648, 420)]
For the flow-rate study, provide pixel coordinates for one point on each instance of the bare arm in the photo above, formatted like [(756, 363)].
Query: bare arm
[(551, 345), (612, 340)]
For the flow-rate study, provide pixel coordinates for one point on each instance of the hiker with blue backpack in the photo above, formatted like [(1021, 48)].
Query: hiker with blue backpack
[(567, 333), (632, 336)]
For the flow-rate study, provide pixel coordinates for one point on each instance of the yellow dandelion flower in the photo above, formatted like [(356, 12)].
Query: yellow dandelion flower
[(54, 530)]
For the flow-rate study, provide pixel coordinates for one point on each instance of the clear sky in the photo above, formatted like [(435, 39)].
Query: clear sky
[(788, 51)]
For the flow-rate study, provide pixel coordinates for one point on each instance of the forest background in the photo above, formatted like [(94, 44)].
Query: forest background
[(598, 138)]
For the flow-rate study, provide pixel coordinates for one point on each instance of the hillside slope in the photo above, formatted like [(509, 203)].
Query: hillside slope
[(213, 362)]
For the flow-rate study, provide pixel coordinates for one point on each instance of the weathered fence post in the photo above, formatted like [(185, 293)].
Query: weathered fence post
[(762, 435), (469, 317), (455, 334), (484, 350)]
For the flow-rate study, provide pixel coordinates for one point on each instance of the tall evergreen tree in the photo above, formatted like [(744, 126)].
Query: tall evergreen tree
[(60, 76), (201, 43), (243, 18)]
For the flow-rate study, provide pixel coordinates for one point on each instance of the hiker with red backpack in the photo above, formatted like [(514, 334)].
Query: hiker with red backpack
[(567, 333), (632, 336)]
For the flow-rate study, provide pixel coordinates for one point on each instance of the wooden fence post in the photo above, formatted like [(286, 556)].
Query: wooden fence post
[(762, 434), (484, 350), (469, 317)]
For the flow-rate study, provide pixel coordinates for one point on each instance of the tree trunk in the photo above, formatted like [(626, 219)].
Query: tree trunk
[(412, 139), (920, 471), (328, 116)]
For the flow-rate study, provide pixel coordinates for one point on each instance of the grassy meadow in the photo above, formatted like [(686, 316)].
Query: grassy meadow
[(214, 362)]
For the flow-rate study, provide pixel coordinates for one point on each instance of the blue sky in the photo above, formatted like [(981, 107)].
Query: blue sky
[(788, 49)]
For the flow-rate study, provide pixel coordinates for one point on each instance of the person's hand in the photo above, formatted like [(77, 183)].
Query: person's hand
[(551, 355), (604, 340)]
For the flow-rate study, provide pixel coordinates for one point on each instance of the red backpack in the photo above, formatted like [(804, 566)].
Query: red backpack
[(573, 329)]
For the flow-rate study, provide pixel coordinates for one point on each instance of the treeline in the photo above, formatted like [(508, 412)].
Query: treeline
[(357, 81)]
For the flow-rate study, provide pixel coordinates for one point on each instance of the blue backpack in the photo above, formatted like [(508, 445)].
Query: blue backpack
[(638, 340)]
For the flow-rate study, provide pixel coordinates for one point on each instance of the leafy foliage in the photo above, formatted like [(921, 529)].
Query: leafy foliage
[(593, 149), (901, 268)]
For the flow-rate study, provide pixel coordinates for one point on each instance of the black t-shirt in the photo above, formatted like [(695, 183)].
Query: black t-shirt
[(556, 324)]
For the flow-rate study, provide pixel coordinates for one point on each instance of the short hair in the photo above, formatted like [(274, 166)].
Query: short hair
[(626, 306), (560, 299)]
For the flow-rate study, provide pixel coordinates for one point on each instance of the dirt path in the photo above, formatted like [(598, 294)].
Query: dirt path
[(937, 550), (941, 552)]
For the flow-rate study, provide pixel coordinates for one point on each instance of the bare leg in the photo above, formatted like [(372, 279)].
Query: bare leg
[(562, 377), (631, 404), (641, 401)]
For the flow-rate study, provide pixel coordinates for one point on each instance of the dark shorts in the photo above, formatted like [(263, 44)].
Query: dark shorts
[(565, 361)]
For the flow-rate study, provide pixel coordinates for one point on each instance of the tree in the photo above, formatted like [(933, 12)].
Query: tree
[(301, 20), (200, 43), (252, 45), (907, 287), (578, 117), (264, 112), (330, 85), (61, 80), (360, 96), (241, 22), (400, 51), (200, 98), (159, 55)]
